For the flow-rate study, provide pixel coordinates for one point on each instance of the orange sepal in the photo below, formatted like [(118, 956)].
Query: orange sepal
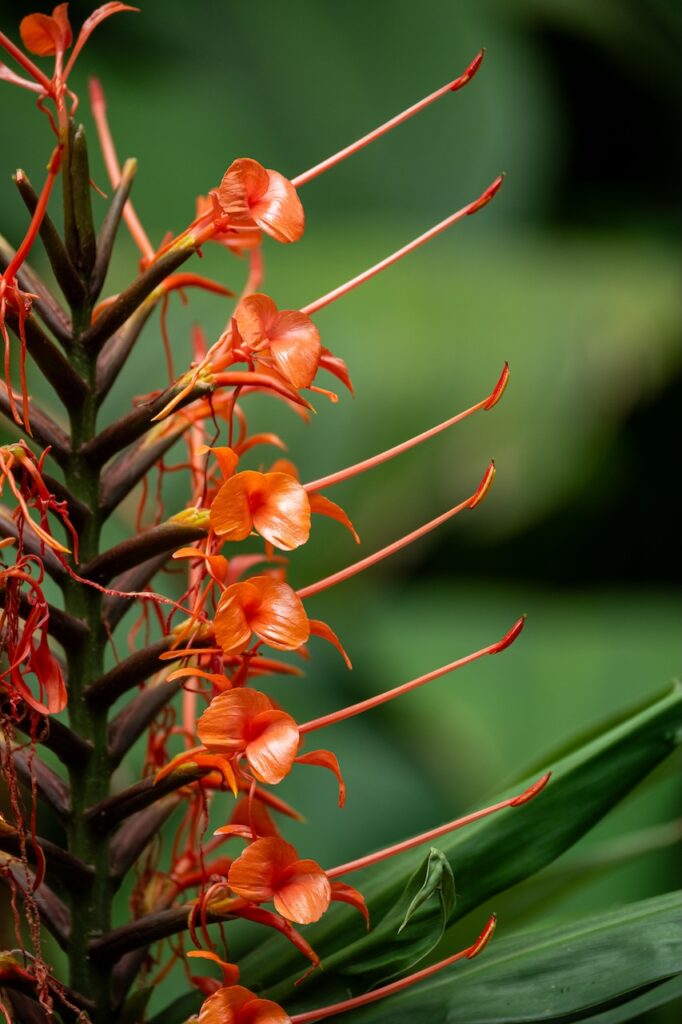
[(273, 504), (269, 869), (264, 606), (321, 629), (44, 34), (251, 194), (343, 893), (325, 759), (230, 971), (197, 757), (325, 507)]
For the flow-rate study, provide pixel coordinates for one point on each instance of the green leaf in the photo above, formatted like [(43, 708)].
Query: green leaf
[(585, 971), (411, 929), (503, 849)]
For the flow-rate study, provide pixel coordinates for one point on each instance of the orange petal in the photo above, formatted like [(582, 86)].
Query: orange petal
[(274, 746), (343, 893), (44, 35), (230, 971), (264, 1011), (230, 514), (255, 316), (232, 625), (255, 874), (335, 365), (295, 347), (321, 629), (304, 894), (253, 814), (325, 759), (280, 620), (281, 511), (325, 507), (250, 193), (224, 725)]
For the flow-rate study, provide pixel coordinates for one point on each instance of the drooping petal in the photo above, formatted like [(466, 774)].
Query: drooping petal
[(304, 893), (296, 348), (321, 629), (249, 194), (45, 34), (280, 620), (343, 893), (273, 746), (326, 759), (325, 507)]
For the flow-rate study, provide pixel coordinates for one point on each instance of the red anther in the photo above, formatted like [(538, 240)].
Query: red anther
[(469, 73), (483, 939), (484, 486), (531, 792), (487, 195), (509, 638), (499, 388)]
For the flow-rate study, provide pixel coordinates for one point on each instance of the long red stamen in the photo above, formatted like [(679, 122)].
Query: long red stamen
[(416, 108), (38, 215), (390, 453), (398, 691), (378, 556), (441, 830), (466, 211), (99, 112), (397, 986)]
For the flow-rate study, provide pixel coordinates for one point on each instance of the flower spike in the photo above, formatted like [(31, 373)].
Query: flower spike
[(398, 691), (378, 556), (426, 837), (390, 453), (383, 129), (465, 211)]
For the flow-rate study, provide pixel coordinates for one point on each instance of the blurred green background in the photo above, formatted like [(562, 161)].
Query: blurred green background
[(570, 275)]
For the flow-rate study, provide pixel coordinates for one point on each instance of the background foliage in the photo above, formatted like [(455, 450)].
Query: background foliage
[(570, 275)]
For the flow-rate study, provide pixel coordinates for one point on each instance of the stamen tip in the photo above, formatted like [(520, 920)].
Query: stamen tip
[(499, 388), (470, 71), (509, 638), (484, 486), (483, 939), (486, 196), (532, 791)]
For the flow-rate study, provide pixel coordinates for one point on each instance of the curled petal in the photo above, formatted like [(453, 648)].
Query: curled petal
[(230, 971), (256, 873), (325, 507), (343, 893), (325, 759), (91, 23), (321, 629), (264, 606), (232, 625), (224, 724), (304, 894), (255, 317)]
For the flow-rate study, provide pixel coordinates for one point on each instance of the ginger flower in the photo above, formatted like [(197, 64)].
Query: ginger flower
[(236, 1005), (244, 722), (275, 505), (251, 195), (285, 340), (269, 871), (263, 606)]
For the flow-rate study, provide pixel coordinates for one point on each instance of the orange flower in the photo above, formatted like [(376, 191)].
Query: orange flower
[(249, 194), (269, 869), (262, 606), (246, 723), (273, 504), (236, 1005), (46, 35), (286, 340)]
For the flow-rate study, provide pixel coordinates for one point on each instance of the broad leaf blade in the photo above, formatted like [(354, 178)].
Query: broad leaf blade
[(586, 971), (502, 850)]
